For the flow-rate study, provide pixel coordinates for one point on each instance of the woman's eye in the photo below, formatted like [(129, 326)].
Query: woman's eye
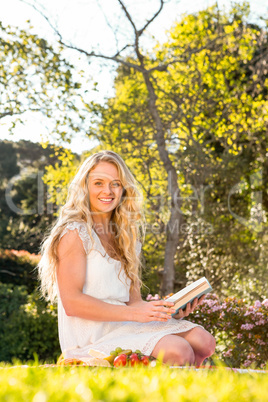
[(99, 183)]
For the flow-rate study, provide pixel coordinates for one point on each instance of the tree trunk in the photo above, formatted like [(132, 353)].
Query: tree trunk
[(173, 226)]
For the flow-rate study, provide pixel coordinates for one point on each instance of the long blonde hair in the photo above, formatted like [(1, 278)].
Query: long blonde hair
[(127, 218)]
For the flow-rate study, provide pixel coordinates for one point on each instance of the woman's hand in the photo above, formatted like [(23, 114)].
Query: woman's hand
[(189, 308), (157, 310)]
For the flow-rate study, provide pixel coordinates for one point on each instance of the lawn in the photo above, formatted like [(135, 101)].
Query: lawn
[(161, 383)]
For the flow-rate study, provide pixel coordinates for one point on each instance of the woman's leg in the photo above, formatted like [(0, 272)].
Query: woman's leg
[(201, 341), (176, 350)]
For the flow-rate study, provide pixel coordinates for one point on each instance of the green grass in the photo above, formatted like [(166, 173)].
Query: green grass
[(155, 384)]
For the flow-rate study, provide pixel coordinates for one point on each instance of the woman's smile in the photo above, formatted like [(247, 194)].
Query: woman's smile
[(106, 200)]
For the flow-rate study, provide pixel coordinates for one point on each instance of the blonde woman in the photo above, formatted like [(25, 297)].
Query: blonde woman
[(91, 263)]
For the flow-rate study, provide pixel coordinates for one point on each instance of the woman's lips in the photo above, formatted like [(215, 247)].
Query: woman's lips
[(106, 200)]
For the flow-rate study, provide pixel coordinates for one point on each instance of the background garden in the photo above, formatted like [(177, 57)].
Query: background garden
[(189, 116)]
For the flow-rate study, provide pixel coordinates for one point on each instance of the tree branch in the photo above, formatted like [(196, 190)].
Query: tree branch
[(136, 33), (45, 17), (102, 56), (108, 24), (128, 16), (140, 32)]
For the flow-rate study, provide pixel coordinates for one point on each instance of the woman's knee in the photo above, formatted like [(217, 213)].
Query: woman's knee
[(184, 355), (207, 342), (174, 350), (202, 342), (210, 345)]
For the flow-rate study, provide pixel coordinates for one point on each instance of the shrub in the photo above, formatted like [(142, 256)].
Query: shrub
[(241, 331), (18, 268), (28, 325)]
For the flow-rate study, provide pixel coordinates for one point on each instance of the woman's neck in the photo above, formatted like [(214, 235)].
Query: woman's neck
[(102, 227)]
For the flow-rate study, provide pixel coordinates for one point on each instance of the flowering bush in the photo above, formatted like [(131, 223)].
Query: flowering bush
[(241, 331), (20, 255), (151, 297), (18, 267)]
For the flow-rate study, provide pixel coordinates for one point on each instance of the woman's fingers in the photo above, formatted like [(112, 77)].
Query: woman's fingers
[(184, 312), (201, 299), (162, 313), (162, 303), (181, 313), (161, 310), (164, 310), (189, 308), (194, 304), (159, 306)]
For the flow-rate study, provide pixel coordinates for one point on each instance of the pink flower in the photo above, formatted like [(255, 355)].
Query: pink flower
[(215, 308), (257, 304), (265, 303), (151, 297), (247, 363), (260, 342), (248, 313), (260, 322), (259, 314), (239, 336), (228, 353), (247, 326)]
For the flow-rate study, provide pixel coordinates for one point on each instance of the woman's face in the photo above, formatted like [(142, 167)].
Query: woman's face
[(105, 188)]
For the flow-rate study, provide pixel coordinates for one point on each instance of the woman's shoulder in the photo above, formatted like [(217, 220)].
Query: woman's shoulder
[(83, 232)]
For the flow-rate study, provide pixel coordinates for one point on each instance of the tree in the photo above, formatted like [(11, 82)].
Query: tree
[(34, 77), (177, 118), (26, 208), (216, 135), (143, 65), (8, 163)]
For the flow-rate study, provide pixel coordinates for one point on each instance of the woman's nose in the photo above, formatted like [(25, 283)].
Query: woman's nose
[(107, 189)]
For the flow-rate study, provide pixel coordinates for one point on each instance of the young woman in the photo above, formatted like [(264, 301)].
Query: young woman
[(90, 261)]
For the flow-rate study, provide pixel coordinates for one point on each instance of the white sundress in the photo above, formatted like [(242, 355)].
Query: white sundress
[(78, 335)]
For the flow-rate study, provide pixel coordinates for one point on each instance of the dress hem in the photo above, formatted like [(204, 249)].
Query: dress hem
[(145, 348)]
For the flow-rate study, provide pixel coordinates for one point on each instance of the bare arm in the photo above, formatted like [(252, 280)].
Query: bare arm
[(134, 296), (71, 275)]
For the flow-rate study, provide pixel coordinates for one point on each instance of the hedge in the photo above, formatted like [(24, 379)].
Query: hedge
[(28, 326)]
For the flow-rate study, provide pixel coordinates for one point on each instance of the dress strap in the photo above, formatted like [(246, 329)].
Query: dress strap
[(82, 232)]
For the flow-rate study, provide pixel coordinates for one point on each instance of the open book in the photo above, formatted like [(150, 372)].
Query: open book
[(188, 294)]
